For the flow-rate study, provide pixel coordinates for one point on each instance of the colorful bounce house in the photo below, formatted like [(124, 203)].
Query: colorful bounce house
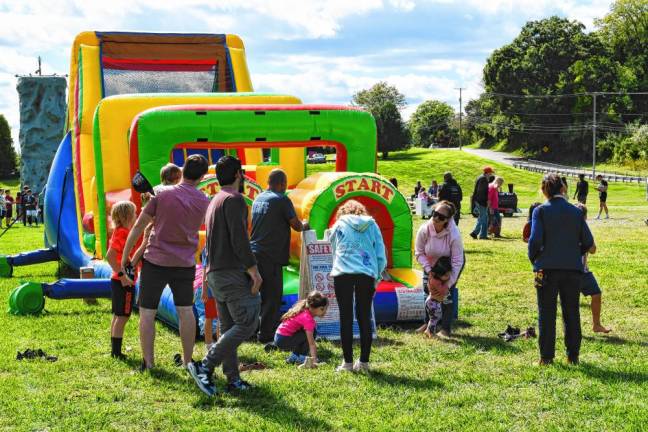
[(138, 101)]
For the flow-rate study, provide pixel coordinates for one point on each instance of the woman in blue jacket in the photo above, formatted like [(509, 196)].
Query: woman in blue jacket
[(559, 239), (358, 262)]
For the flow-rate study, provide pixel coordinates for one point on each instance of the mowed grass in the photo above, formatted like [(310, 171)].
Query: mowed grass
[(474, 381)]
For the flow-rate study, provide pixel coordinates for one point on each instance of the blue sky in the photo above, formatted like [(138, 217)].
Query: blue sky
[(322, 52)]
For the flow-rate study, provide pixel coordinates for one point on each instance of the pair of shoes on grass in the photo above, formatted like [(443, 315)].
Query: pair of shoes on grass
[(204, 380), (358, 366)]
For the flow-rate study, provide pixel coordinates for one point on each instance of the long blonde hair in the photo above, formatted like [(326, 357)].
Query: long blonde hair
[(314, 300), (120, 213), (351, 207)]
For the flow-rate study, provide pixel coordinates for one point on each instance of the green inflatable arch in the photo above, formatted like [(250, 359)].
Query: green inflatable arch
[(385, 203)]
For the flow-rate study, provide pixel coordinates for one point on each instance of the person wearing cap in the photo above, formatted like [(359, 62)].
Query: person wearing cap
[(177, 213), (480, 198)]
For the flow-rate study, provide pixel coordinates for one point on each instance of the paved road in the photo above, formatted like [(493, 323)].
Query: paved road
[(494, 155)]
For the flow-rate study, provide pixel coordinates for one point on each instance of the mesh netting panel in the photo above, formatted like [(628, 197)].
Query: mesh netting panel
[(131, 81)]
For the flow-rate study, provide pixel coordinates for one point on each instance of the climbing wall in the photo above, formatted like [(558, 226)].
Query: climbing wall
[(42, 121)]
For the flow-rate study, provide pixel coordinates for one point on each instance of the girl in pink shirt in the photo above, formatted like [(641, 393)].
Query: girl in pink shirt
[(493, 206), (296, 333)]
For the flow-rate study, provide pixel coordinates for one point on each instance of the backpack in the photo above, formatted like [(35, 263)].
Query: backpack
[(455, 194)]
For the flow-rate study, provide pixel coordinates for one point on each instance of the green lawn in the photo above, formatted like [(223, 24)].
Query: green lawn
[(474, 381)]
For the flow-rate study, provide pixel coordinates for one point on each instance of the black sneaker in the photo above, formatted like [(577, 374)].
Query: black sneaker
[(238, 385), (473, 235), (203, 378), (270, 346)]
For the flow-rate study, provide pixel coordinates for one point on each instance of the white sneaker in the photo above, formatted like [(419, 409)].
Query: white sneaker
[(361, 367), (344, 367)]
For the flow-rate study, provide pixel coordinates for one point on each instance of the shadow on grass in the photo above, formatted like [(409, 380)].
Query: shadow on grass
[(384, 378), (478, 251), (266, 404), (91, 310), (613, 340), (608, 375), (385, 341), (401, 156), (461, 324), (485, 343)]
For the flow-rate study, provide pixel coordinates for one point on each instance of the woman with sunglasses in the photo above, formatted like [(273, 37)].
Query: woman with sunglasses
[(437, 238)]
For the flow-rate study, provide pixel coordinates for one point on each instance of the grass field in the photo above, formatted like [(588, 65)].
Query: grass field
[(474, 381)]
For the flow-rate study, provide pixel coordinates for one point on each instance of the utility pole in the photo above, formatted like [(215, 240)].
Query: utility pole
[(460, 114), (594, 135)]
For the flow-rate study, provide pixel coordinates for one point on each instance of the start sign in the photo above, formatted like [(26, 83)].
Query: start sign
[(368, 185), (210, 187)]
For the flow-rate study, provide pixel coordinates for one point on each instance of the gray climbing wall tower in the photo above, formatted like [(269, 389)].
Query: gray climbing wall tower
[(42, 121)]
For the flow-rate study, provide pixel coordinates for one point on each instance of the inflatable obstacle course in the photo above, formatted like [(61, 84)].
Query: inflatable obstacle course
[(138, 101)]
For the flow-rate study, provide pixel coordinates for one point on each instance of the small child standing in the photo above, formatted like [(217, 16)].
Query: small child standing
[(526, 231), (297, 330), (9, 201), (211, 313), (590, 287), (438, 275), (122, 284)]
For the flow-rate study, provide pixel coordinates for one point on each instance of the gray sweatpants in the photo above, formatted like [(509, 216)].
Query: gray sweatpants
[(238, 314)]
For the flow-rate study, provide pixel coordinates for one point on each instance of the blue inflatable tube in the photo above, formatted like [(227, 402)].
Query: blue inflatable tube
[(78, 288), (33, 257), (61, 223)]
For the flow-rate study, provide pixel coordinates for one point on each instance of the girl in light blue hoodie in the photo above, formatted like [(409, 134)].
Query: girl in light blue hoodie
[(358, 262)]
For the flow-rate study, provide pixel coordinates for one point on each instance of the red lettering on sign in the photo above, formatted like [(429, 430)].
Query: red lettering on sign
[(319, 249), (387, 192), (350, 185), (251, 192), (339, 191), (375, 186), (364, 185)]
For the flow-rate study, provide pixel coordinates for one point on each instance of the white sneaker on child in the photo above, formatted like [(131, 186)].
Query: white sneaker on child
[(361, 367), (344, 367)]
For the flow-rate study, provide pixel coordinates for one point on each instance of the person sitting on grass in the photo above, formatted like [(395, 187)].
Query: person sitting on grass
[(122, 285), (297, 330), (590, 287), (437, 277)]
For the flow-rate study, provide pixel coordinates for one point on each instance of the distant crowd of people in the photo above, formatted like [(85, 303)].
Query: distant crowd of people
[(28, 207)]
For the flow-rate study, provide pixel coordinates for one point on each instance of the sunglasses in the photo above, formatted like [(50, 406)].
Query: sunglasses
[(440, 216)]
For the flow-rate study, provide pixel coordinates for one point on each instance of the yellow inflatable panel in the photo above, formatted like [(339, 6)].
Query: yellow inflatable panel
[(84, 38), (115, 114), (407, 275)]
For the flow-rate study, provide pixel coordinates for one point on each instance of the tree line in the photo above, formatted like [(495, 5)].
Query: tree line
[(538, 94)]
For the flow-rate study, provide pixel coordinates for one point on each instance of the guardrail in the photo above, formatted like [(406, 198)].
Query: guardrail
[(564, 170)]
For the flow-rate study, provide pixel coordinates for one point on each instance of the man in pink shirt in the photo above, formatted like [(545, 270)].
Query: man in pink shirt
[(177, 213)]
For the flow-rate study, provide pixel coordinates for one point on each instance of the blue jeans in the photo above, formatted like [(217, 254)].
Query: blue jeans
[(481, 227)]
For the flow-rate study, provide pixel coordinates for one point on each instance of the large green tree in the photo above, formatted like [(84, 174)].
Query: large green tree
[(431, 124), (553, 56), (384, 102), (625, 31), (7, 152)]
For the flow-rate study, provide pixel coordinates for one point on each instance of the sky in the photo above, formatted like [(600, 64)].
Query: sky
[(320, 51)]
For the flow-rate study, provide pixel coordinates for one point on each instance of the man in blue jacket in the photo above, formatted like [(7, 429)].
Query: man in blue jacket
[(559, 238)]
